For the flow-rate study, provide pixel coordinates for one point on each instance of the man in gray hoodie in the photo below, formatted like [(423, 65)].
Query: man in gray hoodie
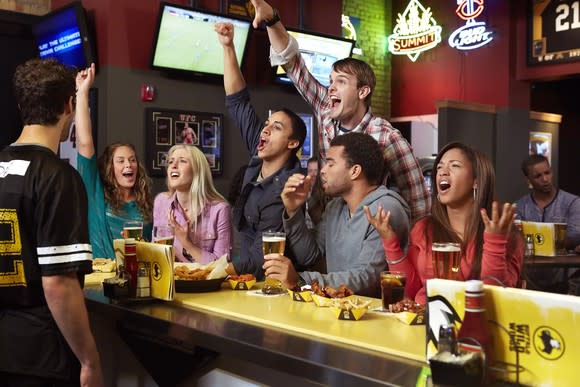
[(352, 247)]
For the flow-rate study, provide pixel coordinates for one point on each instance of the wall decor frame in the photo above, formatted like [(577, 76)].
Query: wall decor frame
[(167, 127)]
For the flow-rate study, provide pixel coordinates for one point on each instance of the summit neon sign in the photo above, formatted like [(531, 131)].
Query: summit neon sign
[(473, 34), (416, 31)]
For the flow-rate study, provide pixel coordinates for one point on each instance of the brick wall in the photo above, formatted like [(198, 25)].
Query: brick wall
[(375, 25)]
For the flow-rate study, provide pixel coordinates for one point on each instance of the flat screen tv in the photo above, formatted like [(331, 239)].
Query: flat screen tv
[(64, 34), (185, 41), (319, 52)]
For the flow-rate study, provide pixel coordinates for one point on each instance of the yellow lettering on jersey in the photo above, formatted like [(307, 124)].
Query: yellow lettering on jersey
[(10, 248)]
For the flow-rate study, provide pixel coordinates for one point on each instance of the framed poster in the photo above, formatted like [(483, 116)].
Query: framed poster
[(553, 31), (541, 144), (167, 127)]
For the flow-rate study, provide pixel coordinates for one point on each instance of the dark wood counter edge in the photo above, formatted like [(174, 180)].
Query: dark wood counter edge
[(569, 260), (313, 359)]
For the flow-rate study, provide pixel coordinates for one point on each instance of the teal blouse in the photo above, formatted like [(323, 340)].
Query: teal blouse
[(104, 225)]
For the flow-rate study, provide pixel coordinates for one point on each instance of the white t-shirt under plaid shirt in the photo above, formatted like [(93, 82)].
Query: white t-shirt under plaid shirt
[(402, 165)]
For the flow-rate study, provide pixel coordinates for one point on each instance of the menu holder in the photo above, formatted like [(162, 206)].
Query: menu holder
[(159, 260)]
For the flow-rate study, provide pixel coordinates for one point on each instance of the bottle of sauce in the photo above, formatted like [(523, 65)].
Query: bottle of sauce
[(529, 249), (474, 333), (131, 266)]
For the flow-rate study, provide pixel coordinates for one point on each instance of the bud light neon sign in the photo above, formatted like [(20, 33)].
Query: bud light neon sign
[(473, 34)]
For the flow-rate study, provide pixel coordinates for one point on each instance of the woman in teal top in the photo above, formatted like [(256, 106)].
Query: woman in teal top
[(118, 187)]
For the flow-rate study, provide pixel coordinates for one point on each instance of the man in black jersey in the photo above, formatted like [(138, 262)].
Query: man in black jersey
[(44, 251)]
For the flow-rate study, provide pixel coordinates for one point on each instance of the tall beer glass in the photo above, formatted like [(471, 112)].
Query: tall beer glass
[(273, 243), (560, 236), (446, 258)]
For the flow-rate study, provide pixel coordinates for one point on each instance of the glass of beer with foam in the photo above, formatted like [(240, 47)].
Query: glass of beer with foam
[(273, 242), (163, 235), (446, 258)]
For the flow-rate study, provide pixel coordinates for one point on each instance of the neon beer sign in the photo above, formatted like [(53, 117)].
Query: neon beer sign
[(415, 31), (473, 34)]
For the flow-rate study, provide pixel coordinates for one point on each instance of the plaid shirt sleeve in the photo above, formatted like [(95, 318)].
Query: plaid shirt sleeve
[(403, 167)]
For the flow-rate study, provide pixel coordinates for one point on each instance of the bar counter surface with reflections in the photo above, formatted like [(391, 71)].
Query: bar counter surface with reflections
[(277, 333), (569, 260)]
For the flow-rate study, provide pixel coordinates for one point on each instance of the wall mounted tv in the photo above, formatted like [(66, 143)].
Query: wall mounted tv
[(319, 53), (185, 41), (64, 34)]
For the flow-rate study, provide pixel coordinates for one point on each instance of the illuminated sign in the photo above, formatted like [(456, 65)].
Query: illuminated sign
[(473, 34), (416, 31)]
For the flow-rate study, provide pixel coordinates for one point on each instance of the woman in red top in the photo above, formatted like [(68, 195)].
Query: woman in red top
[(490, 249)]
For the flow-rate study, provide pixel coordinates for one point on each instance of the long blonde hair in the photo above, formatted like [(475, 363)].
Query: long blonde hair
[(201, 191)]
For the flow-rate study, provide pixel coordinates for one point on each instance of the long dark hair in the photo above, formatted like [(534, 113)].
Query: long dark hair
[(440, 227), (113, 195)]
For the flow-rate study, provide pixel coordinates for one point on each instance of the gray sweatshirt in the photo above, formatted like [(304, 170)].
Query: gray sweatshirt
[(352, 247)]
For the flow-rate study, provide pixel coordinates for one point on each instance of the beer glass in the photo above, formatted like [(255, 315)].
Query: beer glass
[(560, 237), (163, 235), (133, 229), (446, 258), (392, 287), (273, 243)]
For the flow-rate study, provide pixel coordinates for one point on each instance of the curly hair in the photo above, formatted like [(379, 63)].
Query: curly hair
[(113, 195), (42, 88), (364, 150)]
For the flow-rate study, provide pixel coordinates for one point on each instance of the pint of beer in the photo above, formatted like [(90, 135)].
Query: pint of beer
[(560, 237), (446, 258), (273, 243), (133, 229), (163, 235)]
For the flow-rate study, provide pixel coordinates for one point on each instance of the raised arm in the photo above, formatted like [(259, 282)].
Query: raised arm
[(84, 133), (277, 33), (233, 78)]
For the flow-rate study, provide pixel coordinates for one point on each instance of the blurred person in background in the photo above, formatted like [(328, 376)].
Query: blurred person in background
[(546, 203)]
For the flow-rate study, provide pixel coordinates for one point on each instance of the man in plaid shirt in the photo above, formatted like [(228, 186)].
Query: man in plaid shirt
[(345, 106)]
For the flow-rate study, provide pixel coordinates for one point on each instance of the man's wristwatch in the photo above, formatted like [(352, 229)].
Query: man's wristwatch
[(275, 18)]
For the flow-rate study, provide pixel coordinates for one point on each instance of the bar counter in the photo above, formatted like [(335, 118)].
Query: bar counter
[(293, 339)]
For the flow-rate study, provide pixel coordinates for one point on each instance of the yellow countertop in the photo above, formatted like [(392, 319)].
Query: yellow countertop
[(375, 331)]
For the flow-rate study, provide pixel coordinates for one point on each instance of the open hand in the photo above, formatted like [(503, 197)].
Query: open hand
[(499, 224), (380, 221), (180, 232)]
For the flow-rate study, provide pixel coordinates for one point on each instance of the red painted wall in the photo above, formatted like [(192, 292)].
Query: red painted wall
[(479, 75)]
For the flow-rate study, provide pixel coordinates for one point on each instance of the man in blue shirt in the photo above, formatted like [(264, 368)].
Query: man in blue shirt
[(546, 203), (273, 145)]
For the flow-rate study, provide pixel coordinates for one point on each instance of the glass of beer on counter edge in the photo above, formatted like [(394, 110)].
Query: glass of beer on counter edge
[(392, 287), (446, 259), (560, 237), (273, 242), (163, 235), (133, 229)]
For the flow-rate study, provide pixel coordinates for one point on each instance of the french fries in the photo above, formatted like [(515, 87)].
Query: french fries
[(349, 303), (184, 273)]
